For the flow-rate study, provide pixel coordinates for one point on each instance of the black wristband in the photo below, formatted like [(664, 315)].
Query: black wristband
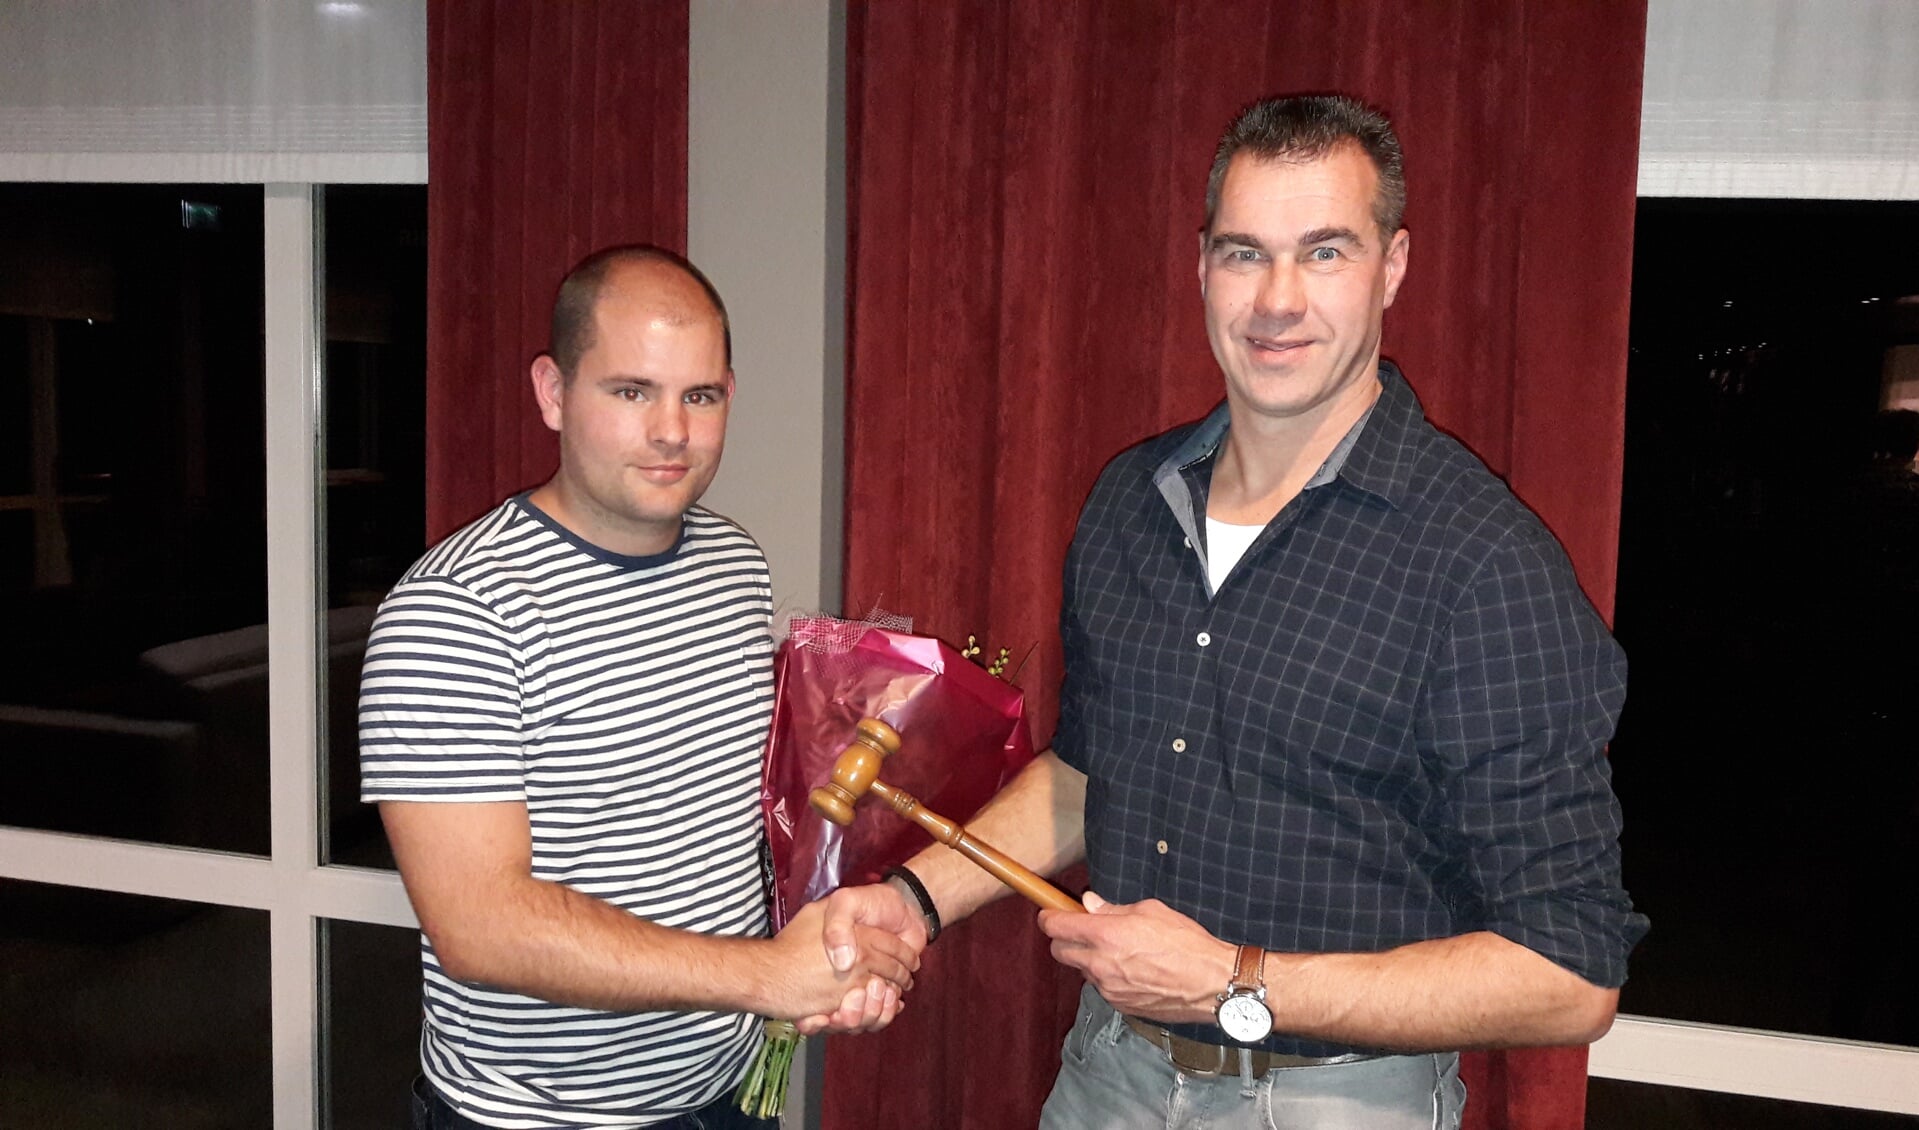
[(927, 909)]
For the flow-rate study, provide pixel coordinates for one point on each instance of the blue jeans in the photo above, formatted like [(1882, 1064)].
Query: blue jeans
[(431, 1112), (1112, 1079)]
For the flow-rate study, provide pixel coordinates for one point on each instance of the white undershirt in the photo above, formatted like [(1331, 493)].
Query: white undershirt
[(1225, 545)]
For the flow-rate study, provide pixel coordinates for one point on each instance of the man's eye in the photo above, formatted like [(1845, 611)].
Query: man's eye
[(1242, 255), (1325, 254), (699, 398), (628, 393)]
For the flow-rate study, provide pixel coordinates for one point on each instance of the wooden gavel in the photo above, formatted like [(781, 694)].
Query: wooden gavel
[(857, 772)]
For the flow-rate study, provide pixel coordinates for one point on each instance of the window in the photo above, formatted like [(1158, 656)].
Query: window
[(135, 558), (1769, 605), (370, 990), (195, 632), (118, 1010), (184, 565), (375, 493)]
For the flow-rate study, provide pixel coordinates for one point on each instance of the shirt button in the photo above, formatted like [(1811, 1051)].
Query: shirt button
[(1179, 745), (1205, 638), (1187, 542), (1161, 846)]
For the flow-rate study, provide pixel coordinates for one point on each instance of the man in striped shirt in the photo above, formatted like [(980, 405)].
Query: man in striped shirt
[(561, 717)]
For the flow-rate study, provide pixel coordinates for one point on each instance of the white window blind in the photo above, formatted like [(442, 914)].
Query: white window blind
[(1808, 99), (213, 90)]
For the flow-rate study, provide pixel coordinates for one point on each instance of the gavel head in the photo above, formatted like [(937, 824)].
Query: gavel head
[(856, 770)]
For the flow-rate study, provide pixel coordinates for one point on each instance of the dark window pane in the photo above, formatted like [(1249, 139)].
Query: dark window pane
[(1769, 604), (16, 413), (371, 1039), (130, 339), (375, 460), (16, 550), (1615, 1105), (117, 1011)]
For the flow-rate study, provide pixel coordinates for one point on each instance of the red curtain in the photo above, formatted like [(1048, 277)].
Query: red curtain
[(1025, 191), (552, 130)]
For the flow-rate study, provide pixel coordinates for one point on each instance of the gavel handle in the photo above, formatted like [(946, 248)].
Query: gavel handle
[(997, 863)]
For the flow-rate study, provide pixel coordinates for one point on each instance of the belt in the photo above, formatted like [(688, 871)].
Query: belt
[(1191, 1057)]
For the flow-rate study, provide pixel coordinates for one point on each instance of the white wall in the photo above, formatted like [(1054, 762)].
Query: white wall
[(766, 220)]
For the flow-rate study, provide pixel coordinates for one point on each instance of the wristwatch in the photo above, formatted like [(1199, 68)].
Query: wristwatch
[(1242, 1013)]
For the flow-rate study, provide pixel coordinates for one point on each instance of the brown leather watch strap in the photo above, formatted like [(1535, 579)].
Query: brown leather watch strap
[(1248, 969)]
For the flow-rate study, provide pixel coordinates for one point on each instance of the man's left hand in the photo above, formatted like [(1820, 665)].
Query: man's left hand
[(1145, 958)]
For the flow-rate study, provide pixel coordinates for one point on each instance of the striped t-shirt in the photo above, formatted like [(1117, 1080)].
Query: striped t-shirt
[(626, 701)]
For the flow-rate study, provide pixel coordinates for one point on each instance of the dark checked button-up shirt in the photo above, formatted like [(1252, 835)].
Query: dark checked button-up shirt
[(1387, 726)]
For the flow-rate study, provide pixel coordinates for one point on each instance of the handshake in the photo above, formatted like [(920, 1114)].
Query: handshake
[(1145, 958), (849, 960)]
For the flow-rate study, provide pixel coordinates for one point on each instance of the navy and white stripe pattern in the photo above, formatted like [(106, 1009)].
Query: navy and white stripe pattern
[(626, 701), (1388, 725)]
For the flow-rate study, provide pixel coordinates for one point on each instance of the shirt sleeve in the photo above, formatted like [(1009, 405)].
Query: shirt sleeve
[(1089, 566), (440, 699), (1068, 736), (1527, 690)]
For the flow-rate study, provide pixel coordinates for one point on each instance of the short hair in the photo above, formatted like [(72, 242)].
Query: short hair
[(579, 297), (1306, 128)]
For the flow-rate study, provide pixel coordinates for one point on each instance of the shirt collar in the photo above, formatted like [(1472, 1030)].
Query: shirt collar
[(1375, 455), (1382, 455)]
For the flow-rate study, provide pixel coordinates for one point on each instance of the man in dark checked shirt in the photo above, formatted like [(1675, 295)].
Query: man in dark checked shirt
[(1332, 735)]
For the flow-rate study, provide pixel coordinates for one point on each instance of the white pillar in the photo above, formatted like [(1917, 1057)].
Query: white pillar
[(766, 220)]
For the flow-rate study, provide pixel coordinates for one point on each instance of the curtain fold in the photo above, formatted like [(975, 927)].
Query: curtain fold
[(1025, 192), (551, 130)]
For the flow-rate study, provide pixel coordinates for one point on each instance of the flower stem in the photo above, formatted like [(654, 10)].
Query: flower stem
[(762, 1093)]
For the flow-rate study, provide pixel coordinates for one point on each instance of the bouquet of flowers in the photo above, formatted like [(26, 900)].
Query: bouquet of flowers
[(965, 735)]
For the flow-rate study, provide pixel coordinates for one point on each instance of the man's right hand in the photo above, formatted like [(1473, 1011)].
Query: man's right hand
[(1037, 819), (853, 916), (857, 991)]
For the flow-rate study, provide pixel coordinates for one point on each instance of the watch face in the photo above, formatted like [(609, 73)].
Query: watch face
[(1245, 1018)]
